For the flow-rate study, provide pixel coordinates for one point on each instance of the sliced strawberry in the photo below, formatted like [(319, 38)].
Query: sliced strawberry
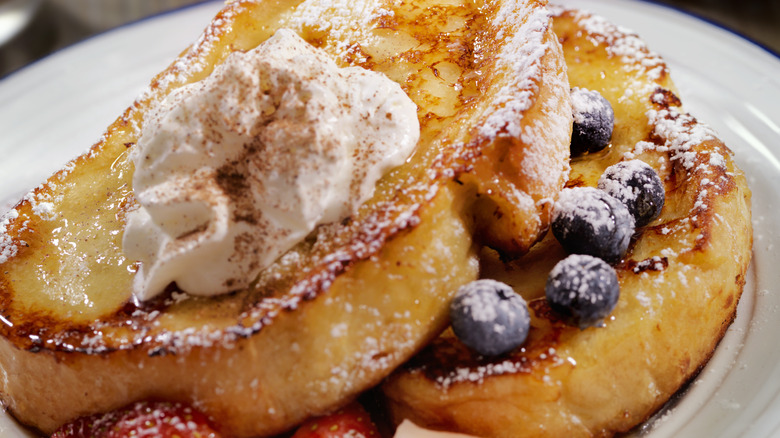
[(350, 422), (142, 419)]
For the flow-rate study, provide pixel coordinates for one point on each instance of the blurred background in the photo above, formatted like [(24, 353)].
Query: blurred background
[(30, 29)]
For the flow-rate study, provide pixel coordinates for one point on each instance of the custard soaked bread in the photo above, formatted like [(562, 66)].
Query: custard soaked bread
[(679, 283), (349, 302)]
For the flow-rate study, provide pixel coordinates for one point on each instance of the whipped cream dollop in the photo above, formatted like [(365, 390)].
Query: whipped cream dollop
[(234, 170)]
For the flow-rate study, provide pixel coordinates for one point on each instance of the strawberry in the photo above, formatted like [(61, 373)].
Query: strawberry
[(350, 422), (142, 419)]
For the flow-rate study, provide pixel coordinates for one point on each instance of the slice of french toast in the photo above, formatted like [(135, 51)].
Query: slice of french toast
[(339, 311), (679, 283)]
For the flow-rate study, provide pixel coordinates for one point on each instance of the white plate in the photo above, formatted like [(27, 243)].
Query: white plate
[(56, 108)]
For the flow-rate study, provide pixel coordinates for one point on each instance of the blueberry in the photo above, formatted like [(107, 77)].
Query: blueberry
[(583, 290), (637, 186), (586, 220), (594, 121), (489, 317)]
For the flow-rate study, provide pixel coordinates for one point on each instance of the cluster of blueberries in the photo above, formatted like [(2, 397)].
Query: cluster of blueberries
[(593, 225)]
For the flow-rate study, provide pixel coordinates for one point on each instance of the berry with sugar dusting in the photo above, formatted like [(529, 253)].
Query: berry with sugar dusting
[(586, 220), (636, 185), (583, 290), (350, 421), (489, 317), (142, 419), (594, 121)]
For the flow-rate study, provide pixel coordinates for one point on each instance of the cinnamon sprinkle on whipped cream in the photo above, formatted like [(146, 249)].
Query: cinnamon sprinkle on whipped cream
[(234, 170)]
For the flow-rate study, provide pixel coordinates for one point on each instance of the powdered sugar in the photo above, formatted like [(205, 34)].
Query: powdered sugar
[(42, 204), (680, 133), (581, 273), (624, 43), (717, 160), (8, 248), (44, 210), (519, 58), (586, 102), (643, 146), (587, 203), (616, 181), (343, 21), (478, 373)]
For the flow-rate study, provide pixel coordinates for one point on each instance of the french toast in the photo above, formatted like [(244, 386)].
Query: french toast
[(679, 283), (344, 307)]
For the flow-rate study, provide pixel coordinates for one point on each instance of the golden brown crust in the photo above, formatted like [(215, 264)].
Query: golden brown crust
[(340, 310), (680, 282)]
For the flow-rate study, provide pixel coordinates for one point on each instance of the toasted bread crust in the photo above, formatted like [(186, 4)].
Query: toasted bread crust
[(680, 283), (344, 307)]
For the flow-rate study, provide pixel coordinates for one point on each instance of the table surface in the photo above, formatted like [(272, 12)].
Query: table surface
[(60, 23)]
